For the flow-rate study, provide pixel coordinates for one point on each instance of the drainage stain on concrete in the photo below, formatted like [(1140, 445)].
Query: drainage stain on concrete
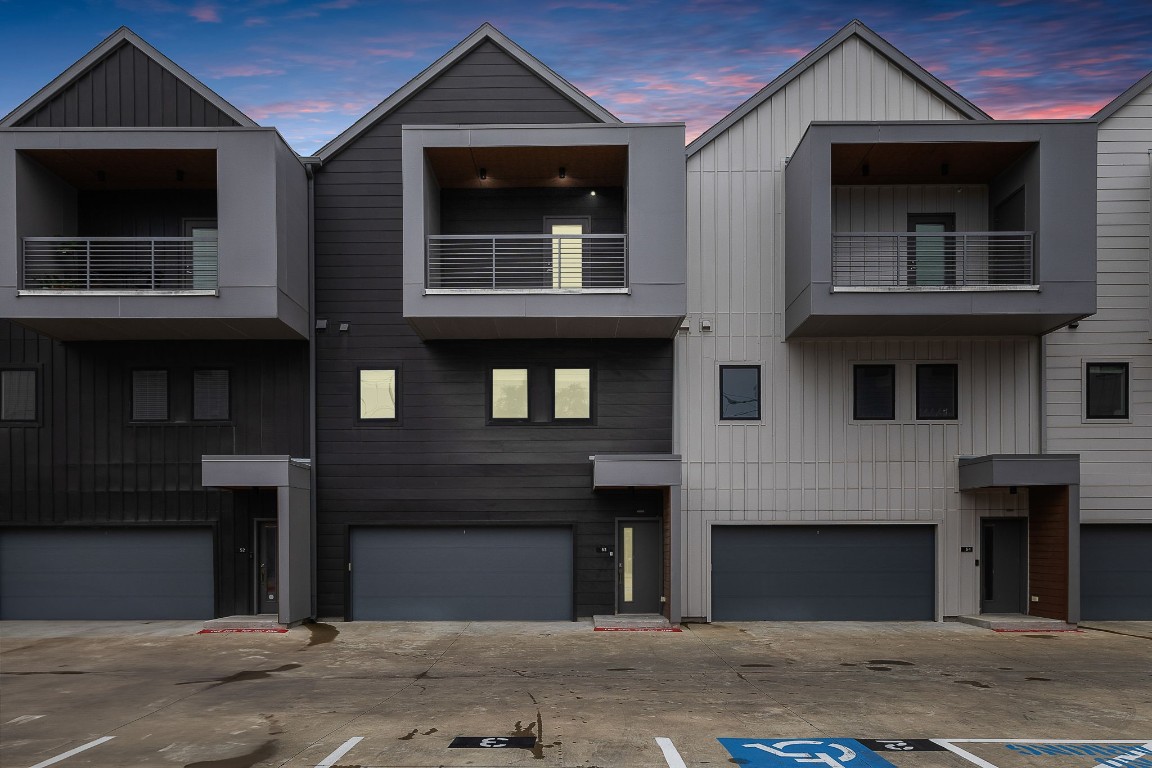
[(757, 665), (880, 669), (61, 672), (891, 662), (621, 669), (260, 754), (1045, 679), (251, 674), (973, 683), (274, 725), (320, 633), (1042, 637), (411, 733)]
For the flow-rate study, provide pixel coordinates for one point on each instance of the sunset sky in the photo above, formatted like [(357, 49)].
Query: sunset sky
[(312, 68)]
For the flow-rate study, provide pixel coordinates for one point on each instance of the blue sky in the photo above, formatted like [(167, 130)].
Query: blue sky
[(311, 68)]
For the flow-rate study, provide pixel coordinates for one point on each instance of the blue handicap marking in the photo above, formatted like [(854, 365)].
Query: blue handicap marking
[(797, 753)]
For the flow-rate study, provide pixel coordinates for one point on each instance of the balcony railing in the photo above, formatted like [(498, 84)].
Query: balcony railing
[(527, 263), (932, 261), (120, 265)]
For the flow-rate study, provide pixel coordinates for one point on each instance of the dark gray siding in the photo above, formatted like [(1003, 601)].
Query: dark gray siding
[(442, 463), (85, 463), (142, 213), (127, 89), (522, 211)]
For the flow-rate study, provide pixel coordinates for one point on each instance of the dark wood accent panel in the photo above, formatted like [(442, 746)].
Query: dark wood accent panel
[(1048, 551), (442, 462), (127, 89)]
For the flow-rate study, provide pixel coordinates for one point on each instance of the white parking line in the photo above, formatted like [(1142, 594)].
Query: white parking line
[(330, 761), (950, 745), (23, 719), (69, 753), (671, 756), (1128, 757)]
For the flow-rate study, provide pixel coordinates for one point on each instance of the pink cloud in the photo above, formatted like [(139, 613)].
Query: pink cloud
[(303, 107), (1065, 111), (948, 16), (394, 53), (244, 70), (205, 12)]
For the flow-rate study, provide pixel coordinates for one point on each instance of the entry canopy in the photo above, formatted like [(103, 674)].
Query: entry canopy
[(1000, 470), (635, 470)]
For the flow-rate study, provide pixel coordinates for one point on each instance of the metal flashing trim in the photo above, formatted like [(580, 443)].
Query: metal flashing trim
[(97, 54), (1122, 100)]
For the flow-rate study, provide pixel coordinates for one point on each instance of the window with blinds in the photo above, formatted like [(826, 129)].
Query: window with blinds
[(18, 395), (211, 399), (149, 395)]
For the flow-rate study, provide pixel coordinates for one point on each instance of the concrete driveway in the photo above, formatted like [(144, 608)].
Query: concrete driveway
[(398, 694)]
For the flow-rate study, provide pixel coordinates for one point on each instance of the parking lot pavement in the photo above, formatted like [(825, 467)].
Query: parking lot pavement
[(391, 695)]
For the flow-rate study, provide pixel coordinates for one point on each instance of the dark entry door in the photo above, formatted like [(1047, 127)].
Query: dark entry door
[(931, 256), (267, 567), (639, 557), (1002, 565)]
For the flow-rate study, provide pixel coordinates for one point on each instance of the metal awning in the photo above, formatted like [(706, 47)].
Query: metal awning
[(1001, 470), (635, 470)]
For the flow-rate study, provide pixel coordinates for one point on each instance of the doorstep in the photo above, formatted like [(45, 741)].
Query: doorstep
[(260, 621), (636, 622), (1016, 622)]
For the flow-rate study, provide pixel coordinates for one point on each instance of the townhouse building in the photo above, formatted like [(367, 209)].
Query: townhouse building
[(1098, 374), (873, 263), (154, 295)]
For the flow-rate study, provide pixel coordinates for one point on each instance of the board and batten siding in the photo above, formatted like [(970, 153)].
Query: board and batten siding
[(805, 460), (1115, 456)]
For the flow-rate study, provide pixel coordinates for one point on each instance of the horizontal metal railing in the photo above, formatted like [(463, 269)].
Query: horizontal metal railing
[(561, 263), (120, 264), (936, 259)]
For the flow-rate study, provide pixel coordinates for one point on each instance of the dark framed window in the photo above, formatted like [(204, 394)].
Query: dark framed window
[(150, 395), (936, 396), (19, 395), (874, 392), (739, 392), (211, 394), (572, 394), (508, 394), (1106, 387), (379, 392)]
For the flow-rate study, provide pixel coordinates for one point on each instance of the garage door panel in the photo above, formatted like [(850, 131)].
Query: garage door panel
[(808, 573), (456, 573), (106, 574), (1116, 572)]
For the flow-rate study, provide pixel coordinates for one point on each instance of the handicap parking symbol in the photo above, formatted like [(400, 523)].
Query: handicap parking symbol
[(798, 753)]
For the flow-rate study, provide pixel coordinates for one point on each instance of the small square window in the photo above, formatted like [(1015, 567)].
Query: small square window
[(874, 392), (936, 391), (210, 395), (18, 395), (739, 392), (1107, 391), (510, 393), (378, 394), (572, 393), (149, 395)]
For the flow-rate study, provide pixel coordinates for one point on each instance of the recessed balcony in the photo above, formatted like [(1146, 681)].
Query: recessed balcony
[(556, 263), (939, 228), (120, 266)]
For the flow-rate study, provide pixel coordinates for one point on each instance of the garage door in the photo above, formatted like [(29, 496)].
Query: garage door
[(106, 574), (1116, 572), (420, 574), (823, 573)]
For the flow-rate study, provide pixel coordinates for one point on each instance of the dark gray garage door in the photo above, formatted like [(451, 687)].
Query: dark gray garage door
[(106, 574), (1116, 572), (823, 573), (420, 574)]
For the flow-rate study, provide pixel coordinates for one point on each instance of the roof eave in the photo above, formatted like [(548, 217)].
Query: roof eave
[(1122, 100)]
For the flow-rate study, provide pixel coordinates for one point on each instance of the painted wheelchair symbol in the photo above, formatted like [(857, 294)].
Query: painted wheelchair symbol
[(778, 749)]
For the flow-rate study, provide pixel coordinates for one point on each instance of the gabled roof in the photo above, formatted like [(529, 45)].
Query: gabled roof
[(1122, 100), (485, 32), (97, 54), (857, 28)]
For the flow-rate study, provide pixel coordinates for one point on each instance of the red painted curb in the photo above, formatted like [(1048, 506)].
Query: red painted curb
[(218, 631), (638, 629)]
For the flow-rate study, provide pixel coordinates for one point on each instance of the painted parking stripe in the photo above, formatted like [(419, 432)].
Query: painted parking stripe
[(951, 745), (69, 753), (344, 749), (671, 756), (1139, 753)]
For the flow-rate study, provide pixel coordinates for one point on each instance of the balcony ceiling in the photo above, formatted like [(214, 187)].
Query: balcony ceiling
[(596, 166), (924, 163), (94, 169)]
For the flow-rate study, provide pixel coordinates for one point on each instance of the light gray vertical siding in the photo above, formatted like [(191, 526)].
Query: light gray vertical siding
[(1116, 456), (806, 460)]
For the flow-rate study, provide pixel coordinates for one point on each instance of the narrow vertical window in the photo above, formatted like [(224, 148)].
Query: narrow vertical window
[(572, 393), (149, 395), (378, 394), (1107, 391), (18, 395), (936, 391), (739, 392), (874, 392), (211, 399), (509, 393)]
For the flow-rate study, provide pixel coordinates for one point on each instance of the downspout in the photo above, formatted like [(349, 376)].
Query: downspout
[(310, 166)]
